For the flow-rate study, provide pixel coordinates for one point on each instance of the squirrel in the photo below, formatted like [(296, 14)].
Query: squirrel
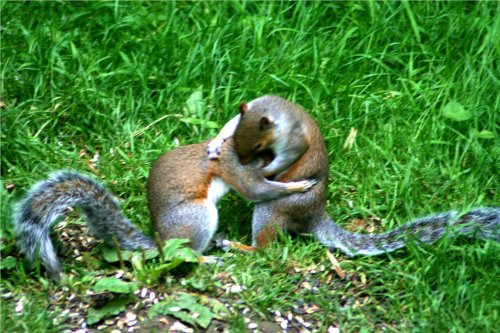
[(183, 189), (271, 122)]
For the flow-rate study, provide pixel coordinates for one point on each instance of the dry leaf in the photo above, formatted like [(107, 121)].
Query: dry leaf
[(351, 139), (335, 264)]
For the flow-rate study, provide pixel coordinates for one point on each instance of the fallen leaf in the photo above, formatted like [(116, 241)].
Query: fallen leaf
[(335, 264)]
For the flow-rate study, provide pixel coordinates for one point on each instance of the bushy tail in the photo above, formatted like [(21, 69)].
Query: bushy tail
[(48, 199), (481, 223)]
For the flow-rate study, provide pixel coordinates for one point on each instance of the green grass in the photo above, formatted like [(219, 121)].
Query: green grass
[(112, 78)]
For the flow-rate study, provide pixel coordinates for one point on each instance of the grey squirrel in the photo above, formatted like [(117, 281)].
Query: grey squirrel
[(271, 122), (183, 189)]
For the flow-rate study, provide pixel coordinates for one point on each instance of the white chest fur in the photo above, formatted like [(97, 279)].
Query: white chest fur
[(217, 189)]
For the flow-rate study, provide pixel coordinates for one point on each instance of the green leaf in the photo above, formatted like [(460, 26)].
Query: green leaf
[(197, 121), (176, 253), (173, 248), (195, 103), (484, 134), (217, 306), (176, 248), (455, 111), (186, 308), (9, 262), (111, 255), (112, 308), (195, 111), (115, 285)]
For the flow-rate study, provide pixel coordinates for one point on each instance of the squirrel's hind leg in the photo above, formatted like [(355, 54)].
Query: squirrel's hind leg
[(196, 222), (266, 224)]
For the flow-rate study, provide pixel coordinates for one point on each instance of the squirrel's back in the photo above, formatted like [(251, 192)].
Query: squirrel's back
[(275, 123), (184, 174), (272, 122)]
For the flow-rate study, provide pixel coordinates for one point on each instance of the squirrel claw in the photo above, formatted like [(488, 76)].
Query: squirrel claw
[(308, 184), (223, 244), (211, 260), (226, 245), (214, 148)]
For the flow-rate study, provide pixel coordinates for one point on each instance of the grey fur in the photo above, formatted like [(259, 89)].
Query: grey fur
[(481, 223), (182, 202), (35, 214), (305, 212)]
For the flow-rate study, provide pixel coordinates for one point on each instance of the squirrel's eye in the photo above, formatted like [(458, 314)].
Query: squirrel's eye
[(257, 146)]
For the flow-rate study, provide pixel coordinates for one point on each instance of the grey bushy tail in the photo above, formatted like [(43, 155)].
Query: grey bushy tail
[(48, 199), (481, 223)]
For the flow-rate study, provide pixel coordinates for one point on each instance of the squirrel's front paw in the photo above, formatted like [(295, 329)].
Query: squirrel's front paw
[(211, 260), (226, 245), (222, 243), (214, 148), (308, 184)]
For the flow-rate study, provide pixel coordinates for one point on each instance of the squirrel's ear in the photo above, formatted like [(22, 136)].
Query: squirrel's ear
[(265, 122), (243, 108)]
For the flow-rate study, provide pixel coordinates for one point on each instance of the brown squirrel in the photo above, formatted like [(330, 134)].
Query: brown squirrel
[(183, 189), (271, 122)]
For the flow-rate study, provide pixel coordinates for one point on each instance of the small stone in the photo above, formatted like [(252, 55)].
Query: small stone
[(130, 316), (235, 288), (20, 306), (306, 285), (121, 324), (7, 295), (164, 321), (119, 273), (332, 329), (178, 326), (313, 308), (252, 326)]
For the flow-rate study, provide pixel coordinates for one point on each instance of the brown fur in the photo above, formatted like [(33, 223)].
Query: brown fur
[(297, 211), (172, 183), (301, 151)]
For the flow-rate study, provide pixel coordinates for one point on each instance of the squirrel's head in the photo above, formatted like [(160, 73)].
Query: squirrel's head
[(254, 134)]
